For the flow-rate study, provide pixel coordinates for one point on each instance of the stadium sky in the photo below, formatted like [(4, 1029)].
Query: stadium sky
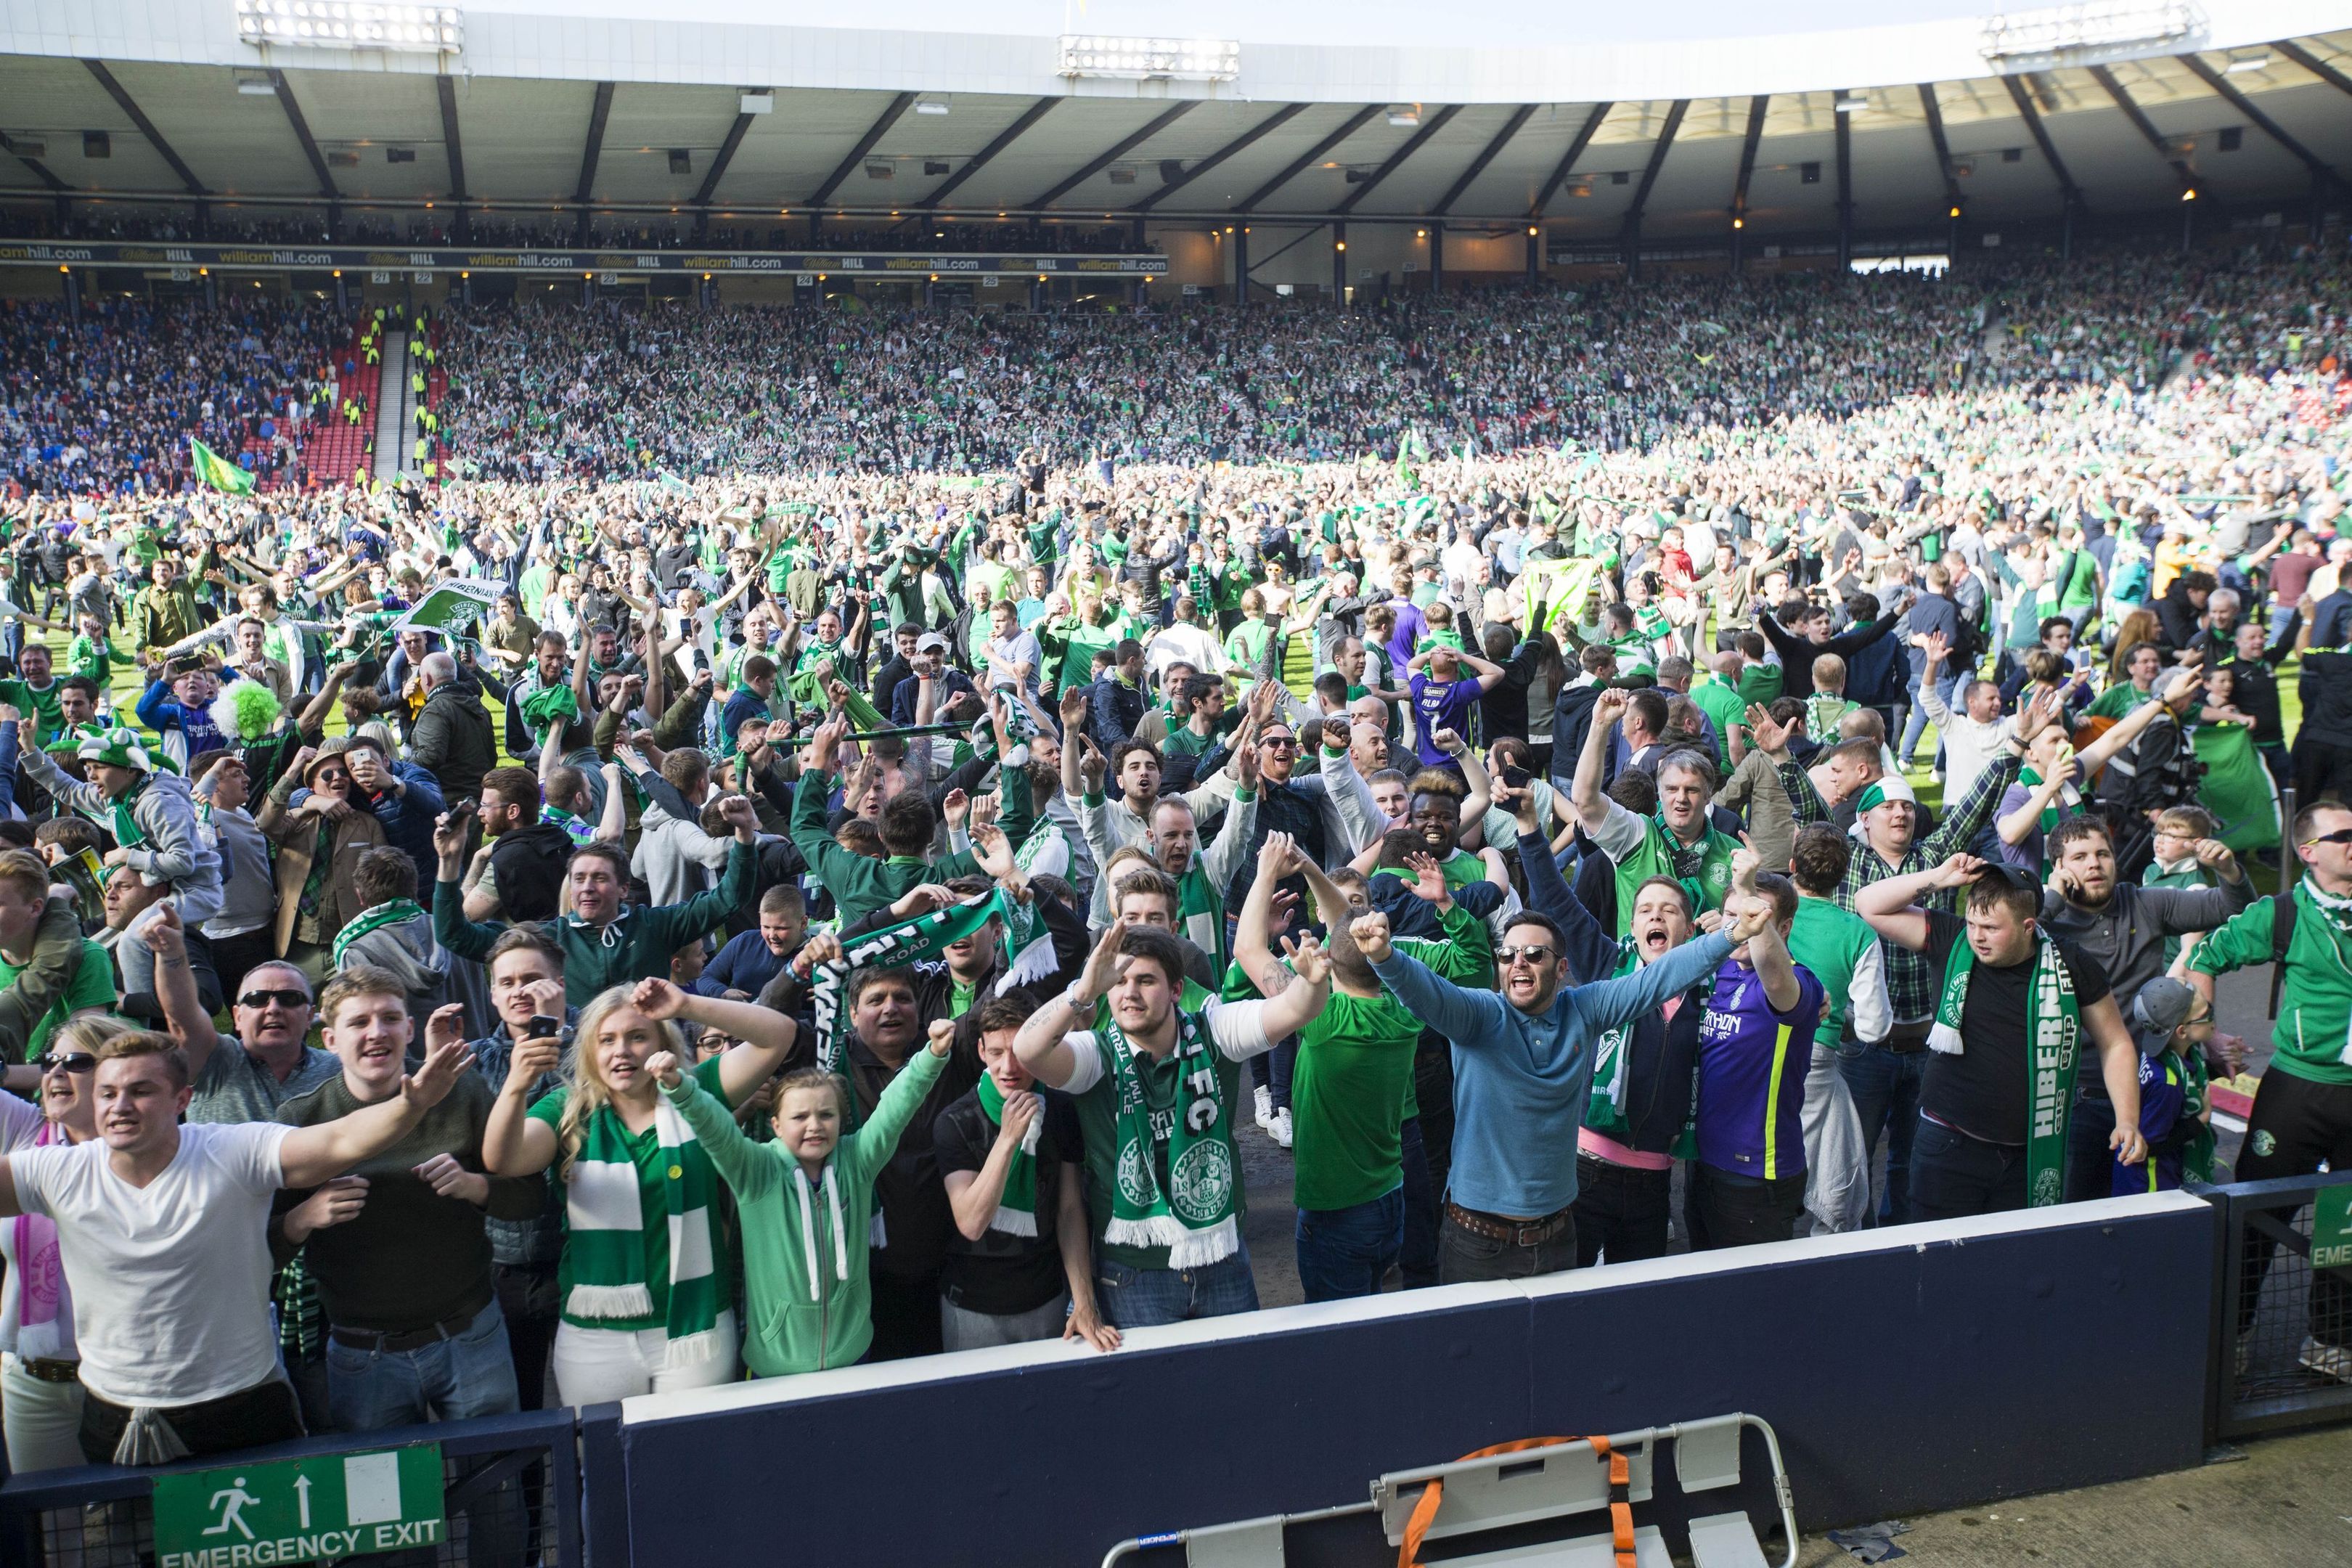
[(1376, 21)]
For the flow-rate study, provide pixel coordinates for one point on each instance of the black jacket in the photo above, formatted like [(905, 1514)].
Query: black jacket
[(455, 741), (529, 864)]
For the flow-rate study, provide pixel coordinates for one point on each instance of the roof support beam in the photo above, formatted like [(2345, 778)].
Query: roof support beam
[(593, 149), (40, 171), (2032, 117), (1349, 127), (1943, 147), (1413, 143), (2315, 65), (1272, 122), (302, 135), (2245, 106), (1845, 188), (2147, 128), (1649, 178), (129, 106), (446, 88), (726, 156), (1118, 150), (1567, 160), (998, 143), (1755, 107), (874, 134), (1478, 165)]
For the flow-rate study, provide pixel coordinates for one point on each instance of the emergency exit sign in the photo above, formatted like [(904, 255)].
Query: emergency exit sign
[(300, 1510), (2331, 1228)]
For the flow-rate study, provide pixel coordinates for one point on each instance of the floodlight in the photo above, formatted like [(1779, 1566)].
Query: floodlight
[(1847, 102), (1403, 114), (350, 24), (931, 106), (2244, 60), (2098, 32), (1187, 60)]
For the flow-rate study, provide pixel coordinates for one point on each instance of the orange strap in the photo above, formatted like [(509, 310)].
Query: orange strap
[(1621, 1506)]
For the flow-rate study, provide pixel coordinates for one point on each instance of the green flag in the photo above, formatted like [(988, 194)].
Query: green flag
[(218, 472)]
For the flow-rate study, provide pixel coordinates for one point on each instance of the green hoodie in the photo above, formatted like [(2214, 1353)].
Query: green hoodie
[(792, 1326)]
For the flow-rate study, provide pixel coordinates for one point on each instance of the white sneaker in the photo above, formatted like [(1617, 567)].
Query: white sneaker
[(2327, 1361), (1265, 1107), (1278, 1125)]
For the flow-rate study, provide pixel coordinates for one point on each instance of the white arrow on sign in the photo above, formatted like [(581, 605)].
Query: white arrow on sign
[(303, 1499)]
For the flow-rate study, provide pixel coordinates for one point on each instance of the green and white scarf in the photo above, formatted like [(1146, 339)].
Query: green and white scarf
[(127, 831), (1017, 1211), (392, 913), (1605, 1108), (1192, 1217), (605, 1232), (924, 936), (2054, 1032)]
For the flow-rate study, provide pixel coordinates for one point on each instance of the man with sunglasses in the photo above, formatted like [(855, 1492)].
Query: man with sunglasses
[(247, 1076), (1522, 1071), (2303, 1111)]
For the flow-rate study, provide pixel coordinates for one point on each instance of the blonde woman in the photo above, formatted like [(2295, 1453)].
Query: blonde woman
[(641, 1313), (40, 1396)]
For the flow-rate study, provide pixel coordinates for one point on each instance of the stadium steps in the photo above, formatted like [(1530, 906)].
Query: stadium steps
[(393, 442), (333, 451)]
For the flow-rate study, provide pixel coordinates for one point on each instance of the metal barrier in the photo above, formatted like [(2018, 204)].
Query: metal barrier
[(2282, 1326), (510, 1492)]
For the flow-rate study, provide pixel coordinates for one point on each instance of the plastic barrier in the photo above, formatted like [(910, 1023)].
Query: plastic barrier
[(1905, 1370)]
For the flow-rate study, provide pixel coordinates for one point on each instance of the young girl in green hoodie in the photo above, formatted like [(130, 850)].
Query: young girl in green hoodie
[(806, 1202)]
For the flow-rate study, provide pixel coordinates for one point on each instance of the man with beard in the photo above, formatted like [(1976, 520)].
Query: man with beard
[(1156, 1086), (1642, 1070), (1522, 1074), (2122, 927)]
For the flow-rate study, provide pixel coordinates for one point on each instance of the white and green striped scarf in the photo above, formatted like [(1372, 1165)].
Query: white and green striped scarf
[(606, 1219), (926, 936), (1192, 1215)]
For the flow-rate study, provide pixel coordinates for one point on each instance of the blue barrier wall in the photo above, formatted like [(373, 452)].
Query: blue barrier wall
[(1904, 1371)]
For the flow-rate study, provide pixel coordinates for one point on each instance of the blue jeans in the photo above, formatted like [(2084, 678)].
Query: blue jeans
[(1885, 1089), (1132, 1297), (449, 1380), (1346, 1252), (1947, 687)]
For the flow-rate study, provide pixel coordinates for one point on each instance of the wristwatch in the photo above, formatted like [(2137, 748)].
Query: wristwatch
[(1077, 998)]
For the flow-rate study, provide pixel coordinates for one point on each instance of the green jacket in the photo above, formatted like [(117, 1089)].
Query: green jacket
[(860, 884), (635, 946), (793, 1326), (2313, 1037)]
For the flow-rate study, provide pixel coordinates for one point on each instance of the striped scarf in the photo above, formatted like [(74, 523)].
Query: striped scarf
[(606, 1219)]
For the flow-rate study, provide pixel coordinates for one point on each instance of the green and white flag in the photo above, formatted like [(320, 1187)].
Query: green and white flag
[(459, 602), (218, 472)]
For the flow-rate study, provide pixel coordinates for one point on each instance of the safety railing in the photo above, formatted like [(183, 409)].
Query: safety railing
[(2282, 1304), (509, 1497)]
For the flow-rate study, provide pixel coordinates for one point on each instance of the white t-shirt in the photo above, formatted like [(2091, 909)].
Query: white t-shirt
[(1236, 1032), (170, 1282)]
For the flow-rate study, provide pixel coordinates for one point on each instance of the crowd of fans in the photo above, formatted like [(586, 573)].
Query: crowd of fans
[(815, 842)]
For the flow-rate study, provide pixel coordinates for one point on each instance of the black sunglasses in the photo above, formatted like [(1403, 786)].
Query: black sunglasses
[(1535, 953), (288, 999), (2341, 836), (71, 1061)]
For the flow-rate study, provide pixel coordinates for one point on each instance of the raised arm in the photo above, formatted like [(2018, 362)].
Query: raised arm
[(767, 1037), (310, 1155), (1043, 1045), (1890, 905), (750, 1170), (1584, 790)]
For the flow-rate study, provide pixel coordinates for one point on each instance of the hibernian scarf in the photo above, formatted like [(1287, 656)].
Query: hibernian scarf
[(543, 709), (925, 936), (127, 831), (1605, 1108), (392, 913), (1192, 1217), (1017, 1211), (606, 1220), (2054, 1030), (1202, 914)]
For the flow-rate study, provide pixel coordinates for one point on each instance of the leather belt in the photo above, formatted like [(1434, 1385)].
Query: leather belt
[(394, 1342), (1513, 1232), (1907, 1039), (50, 1371)]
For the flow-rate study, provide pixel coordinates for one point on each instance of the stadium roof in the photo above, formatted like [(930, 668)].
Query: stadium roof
[(540, 113)]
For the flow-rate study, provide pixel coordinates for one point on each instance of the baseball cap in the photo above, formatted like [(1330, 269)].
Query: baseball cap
[(930, 640)]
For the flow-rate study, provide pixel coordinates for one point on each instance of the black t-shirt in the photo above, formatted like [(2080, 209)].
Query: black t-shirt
[(1986, 1090), (1002, 1274)]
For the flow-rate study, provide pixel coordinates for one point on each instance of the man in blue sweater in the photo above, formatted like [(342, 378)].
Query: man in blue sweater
[(1522, 1069)]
